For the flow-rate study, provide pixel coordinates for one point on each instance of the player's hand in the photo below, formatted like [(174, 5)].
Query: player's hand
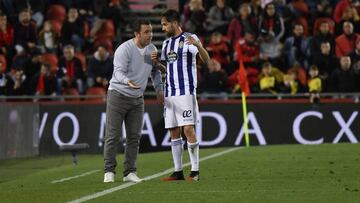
[(160, 97), (133, 85), (191, 40)]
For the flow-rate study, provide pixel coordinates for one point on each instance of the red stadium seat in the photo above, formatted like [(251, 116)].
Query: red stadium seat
[(57, 25), (82, 58), (86, 28), (56, 12), (99, 91), (107, 30), (72, 92), (52, 59), (104, 41)]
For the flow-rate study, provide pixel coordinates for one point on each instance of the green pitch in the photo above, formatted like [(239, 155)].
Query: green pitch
[(291, 173)]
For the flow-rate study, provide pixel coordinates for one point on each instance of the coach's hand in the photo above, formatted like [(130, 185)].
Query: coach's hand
[(132, 85), (154, 57), (160, 97)]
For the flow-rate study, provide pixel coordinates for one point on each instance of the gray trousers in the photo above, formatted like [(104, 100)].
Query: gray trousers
[(119, 109)]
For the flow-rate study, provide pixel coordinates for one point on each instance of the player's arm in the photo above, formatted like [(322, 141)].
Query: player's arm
[(204, 55)]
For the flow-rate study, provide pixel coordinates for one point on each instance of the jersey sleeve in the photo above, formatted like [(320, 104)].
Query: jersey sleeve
[(193, 49)]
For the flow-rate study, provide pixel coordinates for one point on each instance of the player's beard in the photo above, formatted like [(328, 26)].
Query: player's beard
[(171, 32)]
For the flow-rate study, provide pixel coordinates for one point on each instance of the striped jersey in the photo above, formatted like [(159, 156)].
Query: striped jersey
[(180, 60)]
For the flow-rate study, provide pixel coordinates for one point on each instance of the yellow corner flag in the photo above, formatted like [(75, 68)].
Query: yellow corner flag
[(244, 108)]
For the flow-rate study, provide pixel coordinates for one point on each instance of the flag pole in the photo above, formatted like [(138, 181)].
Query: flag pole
[(244, 108)]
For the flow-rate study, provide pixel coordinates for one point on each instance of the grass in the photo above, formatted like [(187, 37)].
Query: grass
[(287, 173)]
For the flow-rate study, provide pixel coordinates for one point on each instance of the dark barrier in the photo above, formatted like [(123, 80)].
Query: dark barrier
[(19, 130), (220, 125)]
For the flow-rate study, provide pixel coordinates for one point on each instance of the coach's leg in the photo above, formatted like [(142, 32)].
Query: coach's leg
[(133, 125), (114, 118), (193, 147)]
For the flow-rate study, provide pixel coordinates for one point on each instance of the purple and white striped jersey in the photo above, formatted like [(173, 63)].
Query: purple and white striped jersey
[(180, 57)]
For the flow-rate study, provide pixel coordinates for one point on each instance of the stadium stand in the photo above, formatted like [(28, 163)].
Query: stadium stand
[(271, 23)]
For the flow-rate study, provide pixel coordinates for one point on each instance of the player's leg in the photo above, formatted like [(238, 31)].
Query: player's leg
[(193, 149), (177, 148), (114, 119), (133, 124)]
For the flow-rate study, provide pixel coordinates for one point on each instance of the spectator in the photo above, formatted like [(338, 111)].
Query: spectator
[(86, 10), (44, 83), (218, 49), (6, 36), (37, 8), (314, 84), (291, 83), (6, 83), (20, 86), (48, 38), (296, 12), (323, 10), (72, 31), (194, 17), (247, 50), (300, 73), (25, 32), (100, 68), (345, 43), (297, 47), (70, 73), (239, 25), (213, 83), (324, 35), (355, 56), (270, 49), (341, 7), (326, 61), (219, 17), (271, 22), (30, 68), (344, 79), (256, 9), (350, 14), (112, 11), (270, 79)]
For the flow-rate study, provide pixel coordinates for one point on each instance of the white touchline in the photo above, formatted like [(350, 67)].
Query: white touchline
[(74, 177), (126, 185)]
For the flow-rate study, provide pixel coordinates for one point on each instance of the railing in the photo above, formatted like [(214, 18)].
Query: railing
[(354, 97)]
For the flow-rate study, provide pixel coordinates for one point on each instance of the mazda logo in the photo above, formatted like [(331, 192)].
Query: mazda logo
[(187, 114)]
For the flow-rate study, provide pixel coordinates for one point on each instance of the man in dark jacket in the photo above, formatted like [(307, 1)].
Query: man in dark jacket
[(100, 68)]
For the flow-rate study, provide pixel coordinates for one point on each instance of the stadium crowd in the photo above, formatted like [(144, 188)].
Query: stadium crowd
[(53, 47)]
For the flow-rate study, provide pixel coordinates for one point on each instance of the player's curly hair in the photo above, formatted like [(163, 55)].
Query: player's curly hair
[(171, 15)]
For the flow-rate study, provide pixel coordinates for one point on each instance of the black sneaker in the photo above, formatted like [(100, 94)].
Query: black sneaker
[(177, 175), (194, 176)]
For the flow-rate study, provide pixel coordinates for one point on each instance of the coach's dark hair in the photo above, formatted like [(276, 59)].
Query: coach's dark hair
[(137, 24), (171, 15)]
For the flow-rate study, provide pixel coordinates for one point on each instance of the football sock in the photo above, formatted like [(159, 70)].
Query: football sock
[(177, 151), (193, 149)]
